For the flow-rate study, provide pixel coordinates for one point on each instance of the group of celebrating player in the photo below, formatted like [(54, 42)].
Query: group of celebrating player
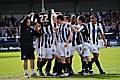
[(57, 37)]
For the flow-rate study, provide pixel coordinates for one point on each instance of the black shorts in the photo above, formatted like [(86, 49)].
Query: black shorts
[(27, 53)]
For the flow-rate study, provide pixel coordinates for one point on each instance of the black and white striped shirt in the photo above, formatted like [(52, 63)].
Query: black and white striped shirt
[(94, 30), (76, 39), (47, 36), (64, 32), (81, 36), (46, 39)]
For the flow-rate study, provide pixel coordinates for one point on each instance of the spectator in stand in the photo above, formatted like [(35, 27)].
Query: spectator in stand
[(0, 32), (3, 32), (13, 33), (110, 20), (0, 20), (6, 21), (8, 32), (107, 26), (13, 19), (17, 23)]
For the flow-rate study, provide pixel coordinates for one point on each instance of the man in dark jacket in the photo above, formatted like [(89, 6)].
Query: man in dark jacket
[(26, 43)]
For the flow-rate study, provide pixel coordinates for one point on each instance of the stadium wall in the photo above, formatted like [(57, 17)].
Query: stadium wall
[(101, 5), (98, 5)]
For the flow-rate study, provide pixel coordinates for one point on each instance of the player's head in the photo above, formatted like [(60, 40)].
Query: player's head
[(37, 26), (93, 18), (73, 19), (81, 19), (26, 21), (66, 18), (60, 19)]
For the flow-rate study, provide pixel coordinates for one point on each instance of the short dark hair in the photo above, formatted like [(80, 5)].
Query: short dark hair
[(94, 15), (61, 17), (67, 18), (73, 19), (82, 18)]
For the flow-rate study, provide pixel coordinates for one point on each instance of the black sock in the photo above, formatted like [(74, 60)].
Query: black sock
[(82, 61), (59, 68), (89, 65), (92, 60), (81, 58), (55, 66), (42, 63), (38, 65), (64, 67), (69, 67), (84, 65), (98, 65), (48, 66), (71, 57)]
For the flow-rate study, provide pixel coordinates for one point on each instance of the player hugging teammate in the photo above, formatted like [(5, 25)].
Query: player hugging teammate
[(58, 36)]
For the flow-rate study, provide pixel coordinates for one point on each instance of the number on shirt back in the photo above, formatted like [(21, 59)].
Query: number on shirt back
[(44, 18)]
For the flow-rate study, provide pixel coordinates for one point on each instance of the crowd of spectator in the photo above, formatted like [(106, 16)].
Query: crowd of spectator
[(111, 21), (9, 21), (10, 26), (11, 32)]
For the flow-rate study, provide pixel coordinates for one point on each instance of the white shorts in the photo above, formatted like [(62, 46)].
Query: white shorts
[(94, 48), (45, 53), (54, 48), (38, 52), (77, 48), (66, 52), (88, 47)]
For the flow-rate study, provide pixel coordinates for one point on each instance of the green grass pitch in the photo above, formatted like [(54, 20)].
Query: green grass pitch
[(11, 67)]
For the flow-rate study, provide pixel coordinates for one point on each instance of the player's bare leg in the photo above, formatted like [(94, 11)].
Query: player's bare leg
[(33, 74), (25, 65)]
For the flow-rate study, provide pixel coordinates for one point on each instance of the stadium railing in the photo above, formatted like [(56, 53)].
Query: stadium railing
[(7, 42), (113, 39)]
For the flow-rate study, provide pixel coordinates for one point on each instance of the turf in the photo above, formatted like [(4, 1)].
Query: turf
[(11, 66)]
